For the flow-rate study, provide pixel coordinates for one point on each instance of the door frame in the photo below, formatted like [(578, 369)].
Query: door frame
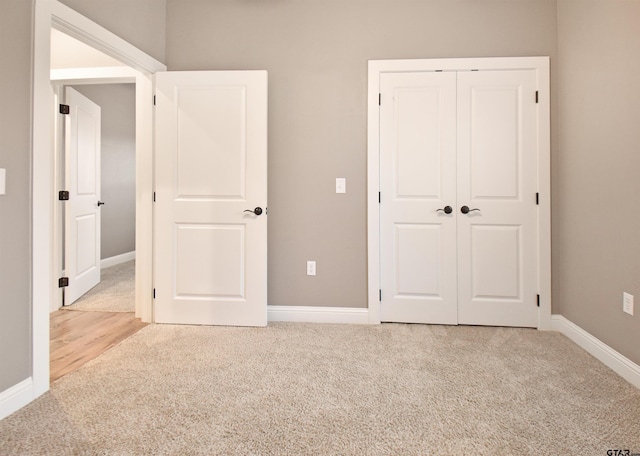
[(48, 14), (85, 76), (541, 67)]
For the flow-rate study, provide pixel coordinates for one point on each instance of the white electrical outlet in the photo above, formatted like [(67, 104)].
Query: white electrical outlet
[(341, 185), (627, 303), (311, 268)]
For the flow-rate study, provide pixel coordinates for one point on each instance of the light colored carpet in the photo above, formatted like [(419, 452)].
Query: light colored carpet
[(115, 292), (303, 389)]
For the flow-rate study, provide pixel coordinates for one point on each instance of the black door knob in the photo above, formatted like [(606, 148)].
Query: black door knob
[(466, 210), (446, 210), (256, 211)]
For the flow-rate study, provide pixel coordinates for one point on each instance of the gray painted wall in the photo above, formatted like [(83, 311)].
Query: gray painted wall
[(316, 53), (596, 236), (15, 206), (118, 165)]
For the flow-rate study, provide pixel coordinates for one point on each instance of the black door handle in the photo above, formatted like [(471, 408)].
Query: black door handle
[(256, 211), (446, 210), (466, 210), (100, 203)]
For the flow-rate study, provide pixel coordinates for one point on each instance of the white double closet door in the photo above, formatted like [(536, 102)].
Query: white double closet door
[(459, 140)]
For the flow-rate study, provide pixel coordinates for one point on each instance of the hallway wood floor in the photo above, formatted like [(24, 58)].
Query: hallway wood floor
[(77, 337)]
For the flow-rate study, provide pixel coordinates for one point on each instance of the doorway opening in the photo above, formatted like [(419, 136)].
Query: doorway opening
[(111, 176), (141, 67), (108, 165), (115, 290)]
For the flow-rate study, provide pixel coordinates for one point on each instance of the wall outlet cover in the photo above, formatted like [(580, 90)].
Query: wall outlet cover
[(311, 268)]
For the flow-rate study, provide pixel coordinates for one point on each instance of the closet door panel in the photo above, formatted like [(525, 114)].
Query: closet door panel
[(497, 178), (418, 177)]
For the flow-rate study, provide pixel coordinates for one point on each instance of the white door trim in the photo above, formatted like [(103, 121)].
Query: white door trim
[(51, 13), (541, 66), (83, 29)]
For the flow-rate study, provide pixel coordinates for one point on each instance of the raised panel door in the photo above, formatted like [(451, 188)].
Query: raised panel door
[(82, 212), (497, 178), (211, 168), (417, 181)]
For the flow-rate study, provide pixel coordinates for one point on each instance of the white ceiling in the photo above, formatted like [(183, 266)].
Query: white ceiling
[(67, 52)]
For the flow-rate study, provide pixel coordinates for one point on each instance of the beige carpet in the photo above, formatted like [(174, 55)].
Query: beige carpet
[(302, 389), (114, 293)]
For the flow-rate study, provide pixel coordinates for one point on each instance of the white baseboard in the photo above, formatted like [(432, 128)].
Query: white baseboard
[(16, 397), (118, 259), (302, 314), (620, 364)]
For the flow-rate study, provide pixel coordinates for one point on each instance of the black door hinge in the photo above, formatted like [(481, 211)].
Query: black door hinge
[(379, 197), (154, 197), (380, 295), (154, 293), (537, 198), (63, 195), (538, 300), (65, 109), (154, 100), (63, 282), (536, 96), (379, 99)]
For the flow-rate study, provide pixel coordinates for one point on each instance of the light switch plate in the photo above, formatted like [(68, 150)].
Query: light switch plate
[(627, 303), (3, 181), (341, 185)]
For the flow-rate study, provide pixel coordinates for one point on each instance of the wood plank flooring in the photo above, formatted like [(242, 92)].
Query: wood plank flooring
[(78, 337)]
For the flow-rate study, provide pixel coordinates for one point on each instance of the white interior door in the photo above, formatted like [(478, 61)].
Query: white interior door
[(497, 175), (82, 211), (464, 141), (210, 262), (417, 189)]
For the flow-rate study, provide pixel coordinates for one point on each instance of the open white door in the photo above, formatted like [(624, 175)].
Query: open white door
[(210, 218), (82, 211)]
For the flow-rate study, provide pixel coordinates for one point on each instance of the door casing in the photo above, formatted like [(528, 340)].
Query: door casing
[(48, 14), (541, 67)]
